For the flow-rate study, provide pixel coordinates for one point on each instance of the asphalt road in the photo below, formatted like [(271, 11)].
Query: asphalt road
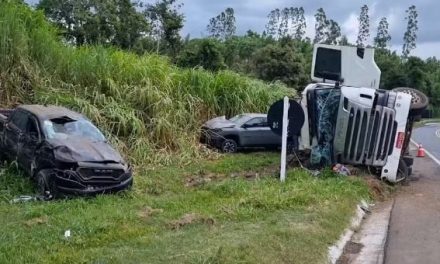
[(414, 232)]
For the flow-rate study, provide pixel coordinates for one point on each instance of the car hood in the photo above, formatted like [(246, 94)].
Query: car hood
[(74, 149), (219, 122)]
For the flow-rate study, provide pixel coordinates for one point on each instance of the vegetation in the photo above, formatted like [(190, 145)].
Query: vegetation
[(223, 211), (144, 103)]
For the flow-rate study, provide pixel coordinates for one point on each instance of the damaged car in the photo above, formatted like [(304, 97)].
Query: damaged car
[(238, 132), (62, 151)]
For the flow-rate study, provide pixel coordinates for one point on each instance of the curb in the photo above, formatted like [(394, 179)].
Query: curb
[(335, 251), (373, 235), (370, 232)]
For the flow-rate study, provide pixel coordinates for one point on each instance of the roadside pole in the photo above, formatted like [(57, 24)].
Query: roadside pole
[(284, 139)]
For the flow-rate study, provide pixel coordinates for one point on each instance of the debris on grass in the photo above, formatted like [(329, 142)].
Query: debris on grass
[(36, 221), (189, 219), (147, 212)]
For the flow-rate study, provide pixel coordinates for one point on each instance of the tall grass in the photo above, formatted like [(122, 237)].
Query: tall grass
[(148, 106)]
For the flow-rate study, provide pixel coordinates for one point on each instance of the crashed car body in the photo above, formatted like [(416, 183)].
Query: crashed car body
[(350, 121), (241, 131), (62, 151)]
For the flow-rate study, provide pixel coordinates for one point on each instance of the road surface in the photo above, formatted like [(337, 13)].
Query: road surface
[(414, 233)]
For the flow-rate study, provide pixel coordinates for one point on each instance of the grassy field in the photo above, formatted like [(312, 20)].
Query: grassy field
[(230, 210)]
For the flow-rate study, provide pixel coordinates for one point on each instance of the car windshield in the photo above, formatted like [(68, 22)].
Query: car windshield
[(239, 119), (64, 127)]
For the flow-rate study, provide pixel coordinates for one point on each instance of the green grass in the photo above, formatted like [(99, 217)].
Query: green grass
[(239, 220), (151, 109)]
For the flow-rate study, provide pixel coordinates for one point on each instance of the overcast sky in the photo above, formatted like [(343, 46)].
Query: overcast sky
[(252, 14)]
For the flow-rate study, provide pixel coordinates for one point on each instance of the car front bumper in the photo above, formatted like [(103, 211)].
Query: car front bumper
[(73, 183)]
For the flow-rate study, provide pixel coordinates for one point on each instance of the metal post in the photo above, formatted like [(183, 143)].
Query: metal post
[(284, 139)]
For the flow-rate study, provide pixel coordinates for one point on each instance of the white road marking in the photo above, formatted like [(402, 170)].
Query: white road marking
[(427, 153)]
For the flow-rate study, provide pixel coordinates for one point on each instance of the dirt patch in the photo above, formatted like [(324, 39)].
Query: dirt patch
[(201, 178), (350, 250), (147, 212), (190, 219), (36, 221)]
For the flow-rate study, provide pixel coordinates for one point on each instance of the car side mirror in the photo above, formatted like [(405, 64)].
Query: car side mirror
[(246, 126)]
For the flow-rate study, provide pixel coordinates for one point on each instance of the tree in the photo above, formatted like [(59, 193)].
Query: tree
[(167, 21), (288, 22), (344, 41), (383, 36), (299, 24), (115, 22), (334, 33), (206, 53), (280, 63), (273, 24), (364, 27), (321, 26), (223, 25), (410, 37)]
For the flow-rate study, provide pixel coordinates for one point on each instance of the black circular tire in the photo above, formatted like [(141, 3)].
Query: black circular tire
[(45, 183), (229, 146), (419, 101)]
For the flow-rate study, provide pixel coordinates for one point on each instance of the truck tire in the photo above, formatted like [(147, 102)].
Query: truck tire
[(46, 185), (402, 171), (419, 101)]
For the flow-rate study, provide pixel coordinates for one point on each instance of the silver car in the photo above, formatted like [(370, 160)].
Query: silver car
[(241, 131)]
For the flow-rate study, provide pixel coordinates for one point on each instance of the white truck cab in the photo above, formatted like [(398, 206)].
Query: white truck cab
[(349, 120)]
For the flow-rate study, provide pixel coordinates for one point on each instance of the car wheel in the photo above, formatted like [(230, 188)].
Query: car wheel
[(229, 146), (45, 184), (419, 101)]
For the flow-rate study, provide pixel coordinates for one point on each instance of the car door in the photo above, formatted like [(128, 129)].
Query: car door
[(257, 133), (29, 143), (14, 132)]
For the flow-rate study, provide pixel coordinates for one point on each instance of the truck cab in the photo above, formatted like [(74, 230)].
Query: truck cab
[(350, 120)]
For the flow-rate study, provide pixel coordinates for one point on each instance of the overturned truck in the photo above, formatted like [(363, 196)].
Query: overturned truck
[(349, 120)]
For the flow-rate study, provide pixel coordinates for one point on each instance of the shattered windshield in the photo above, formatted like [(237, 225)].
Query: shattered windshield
[(62, 128)]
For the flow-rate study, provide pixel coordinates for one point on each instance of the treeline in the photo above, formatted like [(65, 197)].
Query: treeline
[(282, 52)]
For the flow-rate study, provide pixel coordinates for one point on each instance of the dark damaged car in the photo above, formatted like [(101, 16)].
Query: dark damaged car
[(62, 151)]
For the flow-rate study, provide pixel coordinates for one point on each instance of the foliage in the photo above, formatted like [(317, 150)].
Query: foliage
[(287, 22), (167, 21), (334, 33), (364, 27), (147, 106), (205, 53), (321, 26), (223, 26), (410, 37), (383, 36), (113, 22), (280, 63)]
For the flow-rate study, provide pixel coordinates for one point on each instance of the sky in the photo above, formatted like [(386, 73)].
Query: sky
[(252, 14)]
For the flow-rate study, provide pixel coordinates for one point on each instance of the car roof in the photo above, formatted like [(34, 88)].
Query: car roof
[(46, 112)]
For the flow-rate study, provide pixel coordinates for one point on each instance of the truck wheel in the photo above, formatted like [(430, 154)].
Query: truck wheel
[(229, 146), (402, 171), (45, 184), (419, 101)]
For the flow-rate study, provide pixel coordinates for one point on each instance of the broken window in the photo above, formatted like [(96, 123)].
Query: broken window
[(65, 127), (326, 105)]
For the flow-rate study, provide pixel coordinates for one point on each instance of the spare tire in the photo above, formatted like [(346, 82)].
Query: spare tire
[(419, 101)]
